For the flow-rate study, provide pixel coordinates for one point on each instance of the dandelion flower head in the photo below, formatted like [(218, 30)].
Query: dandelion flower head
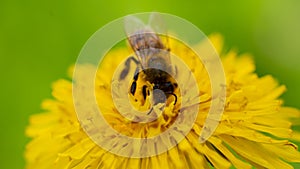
[(254, 130)]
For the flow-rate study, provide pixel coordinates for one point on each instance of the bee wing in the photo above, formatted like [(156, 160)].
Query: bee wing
[(141, 36), (134, 29), (157, 23), (133, 25)]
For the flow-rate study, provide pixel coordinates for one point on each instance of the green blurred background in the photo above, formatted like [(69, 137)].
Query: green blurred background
[(39, 40)]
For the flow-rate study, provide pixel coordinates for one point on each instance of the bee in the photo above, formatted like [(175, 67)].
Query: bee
[(152, 58)]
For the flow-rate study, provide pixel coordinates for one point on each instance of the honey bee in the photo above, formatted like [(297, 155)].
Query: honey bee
[(152, 58)]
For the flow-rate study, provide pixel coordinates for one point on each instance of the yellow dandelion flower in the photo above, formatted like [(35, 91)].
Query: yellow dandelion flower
[(254, 130)]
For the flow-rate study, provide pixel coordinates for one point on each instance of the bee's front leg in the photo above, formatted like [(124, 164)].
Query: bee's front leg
[(125, 71)]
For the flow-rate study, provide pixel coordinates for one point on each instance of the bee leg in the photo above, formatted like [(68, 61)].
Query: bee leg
[(133, 87), (174, 96), (144, 91), (136, 74), (133, 84), (127, 64)]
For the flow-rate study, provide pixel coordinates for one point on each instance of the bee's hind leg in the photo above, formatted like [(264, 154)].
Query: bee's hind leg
[(127, 67)]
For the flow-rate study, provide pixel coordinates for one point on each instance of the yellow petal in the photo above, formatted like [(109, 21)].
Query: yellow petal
[(224, 150), (254, 152)]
